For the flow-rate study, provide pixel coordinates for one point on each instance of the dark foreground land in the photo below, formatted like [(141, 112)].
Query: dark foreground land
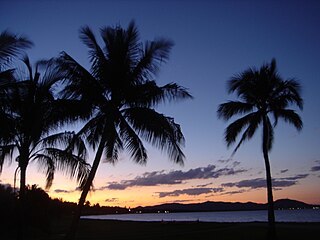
[(117, 230), (123, 230)]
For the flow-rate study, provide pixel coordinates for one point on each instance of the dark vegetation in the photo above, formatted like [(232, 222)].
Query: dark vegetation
[(42, 212)]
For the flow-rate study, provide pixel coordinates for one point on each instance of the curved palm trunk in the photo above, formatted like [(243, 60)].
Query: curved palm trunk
[(271, 216), (76, 217)]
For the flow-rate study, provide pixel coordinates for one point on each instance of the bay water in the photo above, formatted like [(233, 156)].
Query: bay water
[(301, 215)]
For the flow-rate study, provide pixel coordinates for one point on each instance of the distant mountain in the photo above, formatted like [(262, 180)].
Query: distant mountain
[(221, 206)]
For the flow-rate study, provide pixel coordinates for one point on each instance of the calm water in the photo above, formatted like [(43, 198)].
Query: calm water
[(236, 216)]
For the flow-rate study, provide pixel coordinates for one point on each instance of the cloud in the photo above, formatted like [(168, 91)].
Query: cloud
[(233, 192), (261, 182), (297, 177), (63, 191), (183, 201), (111, 200), (204, 185), (173, 177), (190, 192), (315, 168), (225, 160)]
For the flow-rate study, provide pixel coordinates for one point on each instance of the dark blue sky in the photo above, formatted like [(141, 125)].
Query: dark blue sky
[(213, 41)]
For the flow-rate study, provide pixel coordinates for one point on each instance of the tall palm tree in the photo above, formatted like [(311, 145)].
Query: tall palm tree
[(123, 95), (32, 116), (262, 93)]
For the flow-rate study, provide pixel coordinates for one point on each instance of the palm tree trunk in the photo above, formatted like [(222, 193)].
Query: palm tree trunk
[(271, 216), (21, 203), (76, 217)]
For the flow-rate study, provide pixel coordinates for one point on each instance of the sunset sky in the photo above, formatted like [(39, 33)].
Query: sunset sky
[(213, 41)]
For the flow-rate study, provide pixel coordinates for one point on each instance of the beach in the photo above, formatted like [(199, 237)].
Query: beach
[(117, 230)]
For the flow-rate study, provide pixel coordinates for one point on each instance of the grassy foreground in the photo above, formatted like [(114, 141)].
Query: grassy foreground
[(117, 230), (123, 230)]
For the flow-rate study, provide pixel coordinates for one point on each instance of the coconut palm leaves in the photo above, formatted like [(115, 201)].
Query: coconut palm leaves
[(11, 46), (262, 94), (122, 92), (119, 89)]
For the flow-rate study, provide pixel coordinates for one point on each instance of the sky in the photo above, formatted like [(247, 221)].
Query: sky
[(213, 41)]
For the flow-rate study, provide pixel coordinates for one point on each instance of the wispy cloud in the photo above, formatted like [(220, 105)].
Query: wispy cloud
[(63, 191), (189, 191), (111, 200), (233, 192), (204, 185), (261, 182), (315, 168), (174, 177)]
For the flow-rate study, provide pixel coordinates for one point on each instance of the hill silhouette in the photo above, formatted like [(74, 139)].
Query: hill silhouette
[(222, 206)]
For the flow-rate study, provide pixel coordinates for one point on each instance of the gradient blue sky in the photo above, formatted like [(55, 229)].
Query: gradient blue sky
[(213, 41)]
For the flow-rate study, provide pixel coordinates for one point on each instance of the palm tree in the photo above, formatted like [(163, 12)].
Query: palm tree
[(31, 115), (123, 95), (262, 93)]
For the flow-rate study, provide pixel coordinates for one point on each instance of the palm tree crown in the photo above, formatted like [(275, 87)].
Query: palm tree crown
[(122, 95), (262, 93)]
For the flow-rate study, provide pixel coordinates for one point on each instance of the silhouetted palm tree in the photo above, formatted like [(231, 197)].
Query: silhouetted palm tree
[(262, 93), (31, 115), (123, 95)]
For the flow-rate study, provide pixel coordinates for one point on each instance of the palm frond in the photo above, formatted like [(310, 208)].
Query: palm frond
[(288, 92), (46, 163), (234, 129), (250, 131), (150, 95), (11, 46), (81, 84), (132, 142), (97, 57), (159, 130), (65, 161), (113, 144), (231, 108), (6, 153), (155, 53), (289, 116), (64, 111), (92, 130)]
